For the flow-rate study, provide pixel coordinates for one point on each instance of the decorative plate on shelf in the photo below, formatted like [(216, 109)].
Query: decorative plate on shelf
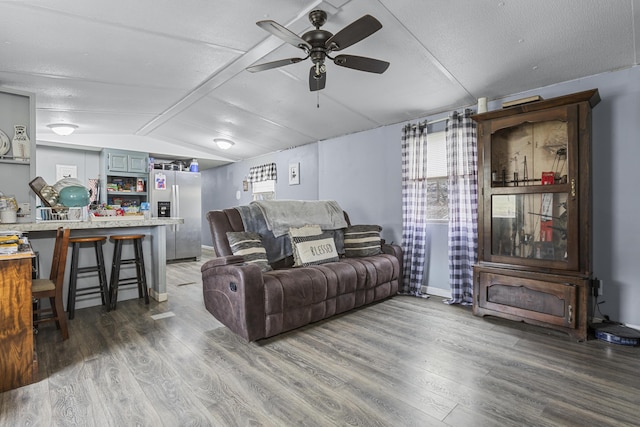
[(5, 144)]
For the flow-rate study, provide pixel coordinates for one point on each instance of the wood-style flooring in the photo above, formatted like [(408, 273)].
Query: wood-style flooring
[(401, 362)]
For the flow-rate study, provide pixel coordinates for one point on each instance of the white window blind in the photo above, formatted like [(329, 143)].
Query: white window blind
[(264, 190), (436, 155)]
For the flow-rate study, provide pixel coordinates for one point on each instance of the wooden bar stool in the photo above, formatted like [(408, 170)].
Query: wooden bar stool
[(140, 279), (101, 287)]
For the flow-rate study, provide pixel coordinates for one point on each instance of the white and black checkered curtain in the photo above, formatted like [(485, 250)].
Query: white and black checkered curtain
[(462, 169), (414, 207), (263, 173)]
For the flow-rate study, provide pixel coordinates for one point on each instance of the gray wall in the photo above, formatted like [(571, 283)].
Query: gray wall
[(221, 186), (362, 172), (47, 157)]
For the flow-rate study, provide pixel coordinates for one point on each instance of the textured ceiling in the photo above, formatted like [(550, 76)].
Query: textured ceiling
[(168, 77)]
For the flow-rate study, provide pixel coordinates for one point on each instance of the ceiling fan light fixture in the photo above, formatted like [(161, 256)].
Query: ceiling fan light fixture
[(223, 144), (62, 129), (319, 44)]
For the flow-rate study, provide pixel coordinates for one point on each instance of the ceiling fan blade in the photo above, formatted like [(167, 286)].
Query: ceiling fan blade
[(316, 82), (274, 64), (361, 63), (353, 33), (283, 33)]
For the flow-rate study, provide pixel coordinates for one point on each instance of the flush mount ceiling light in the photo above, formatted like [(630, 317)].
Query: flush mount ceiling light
[(63, 129), (223, 144)]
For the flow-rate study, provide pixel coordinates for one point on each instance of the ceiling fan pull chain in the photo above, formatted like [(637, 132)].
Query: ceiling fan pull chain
[(318, 101)]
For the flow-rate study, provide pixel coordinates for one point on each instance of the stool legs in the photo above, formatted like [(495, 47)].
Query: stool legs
[(102, 277), (115, 273), (99, 267), (138, 260), (73, 280), (143, 290)]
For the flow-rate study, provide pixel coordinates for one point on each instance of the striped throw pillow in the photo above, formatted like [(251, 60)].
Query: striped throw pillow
[(362, 240), (249, 245), (314, 250)]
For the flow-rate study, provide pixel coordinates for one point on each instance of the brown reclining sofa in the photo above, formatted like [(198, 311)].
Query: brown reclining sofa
[(256, 304)]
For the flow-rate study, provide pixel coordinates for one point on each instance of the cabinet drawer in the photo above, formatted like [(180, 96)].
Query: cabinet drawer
[(551, 300)]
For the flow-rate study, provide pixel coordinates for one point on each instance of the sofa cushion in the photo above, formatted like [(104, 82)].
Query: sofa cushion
[(362, 240), (314, 250), (249, 246)]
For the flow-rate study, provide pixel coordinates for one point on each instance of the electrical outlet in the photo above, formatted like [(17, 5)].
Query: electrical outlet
[(596, 285)]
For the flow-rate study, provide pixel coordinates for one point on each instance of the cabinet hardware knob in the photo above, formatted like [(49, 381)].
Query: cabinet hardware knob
[(570, 312)]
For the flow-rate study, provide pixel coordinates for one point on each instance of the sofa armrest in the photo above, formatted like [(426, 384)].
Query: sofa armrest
[(223, 260), (234, 294), (396, 251)]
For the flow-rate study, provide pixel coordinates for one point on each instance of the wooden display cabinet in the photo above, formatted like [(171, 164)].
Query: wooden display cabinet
[(534, 213)]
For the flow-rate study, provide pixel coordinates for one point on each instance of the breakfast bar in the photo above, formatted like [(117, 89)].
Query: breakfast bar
[(41, 235)]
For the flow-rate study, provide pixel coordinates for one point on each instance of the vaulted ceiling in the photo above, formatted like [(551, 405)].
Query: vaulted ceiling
[(169, 76)]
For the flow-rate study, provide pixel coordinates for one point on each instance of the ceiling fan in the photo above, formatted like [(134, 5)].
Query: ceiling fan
[(320, 44)]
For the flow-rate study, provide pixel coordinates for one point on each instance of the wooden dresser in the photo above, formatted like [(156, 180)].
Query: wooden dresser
[(18, 363)]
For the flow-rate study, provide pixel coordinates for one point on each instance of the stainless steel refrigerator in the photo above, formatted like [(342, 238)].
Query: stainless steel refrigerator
[(177, 194)]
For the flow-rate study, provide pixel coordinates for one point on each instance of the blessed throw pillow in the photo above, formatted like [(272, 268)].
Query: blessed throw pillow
[(307, 230), (313, 250), (249, 245), (362, 240)]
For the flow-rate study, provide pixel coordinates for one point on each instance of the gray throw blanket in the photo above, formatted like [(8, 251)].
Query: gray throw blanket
[(280, 215), (277, 248)]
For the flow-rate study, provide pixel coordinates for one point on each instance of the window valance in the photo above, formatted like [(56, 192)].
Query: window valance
[(263, 173)]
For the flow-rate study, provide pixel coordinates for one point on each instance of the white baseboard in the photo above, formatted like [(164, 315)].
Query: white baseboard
[(160, 297), (432, 290)]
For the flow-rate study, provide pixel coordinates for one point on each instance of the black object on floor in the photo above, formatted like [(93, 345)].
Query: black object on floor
[(616, 333)]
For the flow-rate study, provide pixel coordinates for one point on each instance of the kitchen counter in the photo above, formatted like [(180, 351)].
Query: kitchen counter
[(80, 225), (42, 237)]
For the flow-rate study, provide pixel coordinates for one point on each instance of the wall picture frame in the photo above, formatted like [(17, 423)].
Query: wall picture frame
[(294, 173), (66, 171)]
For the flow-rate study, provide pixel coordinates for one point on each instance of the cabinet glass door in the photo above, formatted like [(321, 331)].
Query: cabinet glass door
[(532, 226), (530, 154)]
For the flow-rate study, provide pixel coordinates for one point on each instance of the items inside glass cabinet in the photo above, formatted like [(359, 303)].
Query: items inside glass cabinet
[(532, 225), (530, 154)]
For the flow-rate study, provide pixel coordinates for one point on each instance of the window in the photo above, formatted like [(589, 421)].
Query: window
[(264, 190), (437, 185), (263, 181)]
